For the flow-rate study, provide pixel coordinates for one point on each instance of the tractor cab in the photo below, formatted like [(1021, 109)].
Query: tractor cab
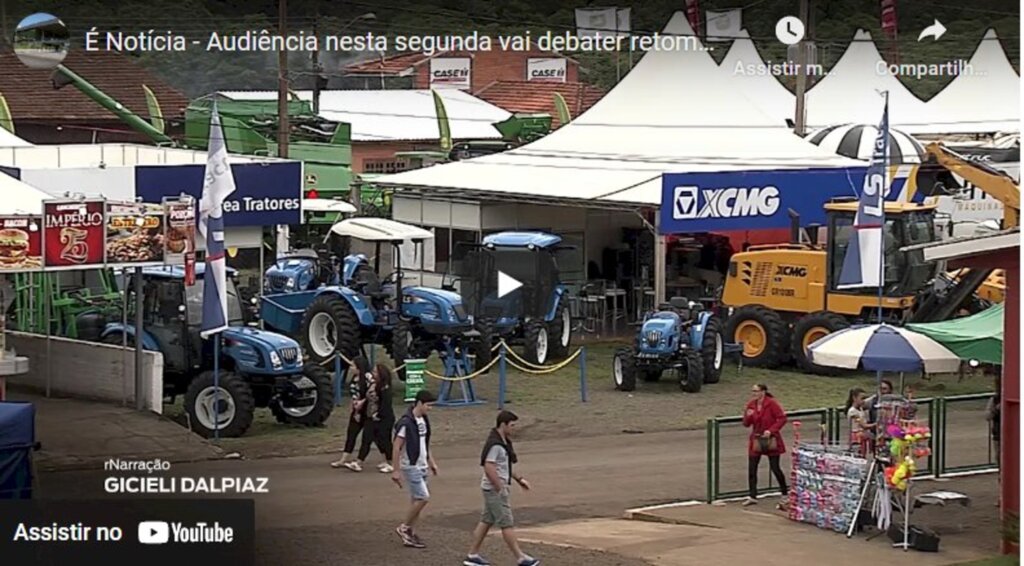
[(906, 224), (302, 270)]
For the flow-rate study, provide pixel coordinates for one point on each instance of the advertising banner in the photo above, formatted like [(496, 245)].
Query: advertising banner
[(73, 234), (450, 72), (21, 243), (180, 235), (267, 193), (752, 200), (135, 234), (546, 70)]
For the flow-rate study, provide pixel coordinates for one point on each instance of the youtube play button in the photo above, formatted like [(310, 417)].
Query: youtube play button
[(507, 284)]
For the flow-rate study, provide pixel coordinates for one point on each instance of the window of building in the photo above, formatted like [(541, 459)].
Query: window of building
[(384, 166)]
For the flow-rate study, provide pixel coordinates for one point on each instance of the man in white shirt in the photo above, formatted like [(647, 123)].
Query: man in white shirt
[(411, 459)]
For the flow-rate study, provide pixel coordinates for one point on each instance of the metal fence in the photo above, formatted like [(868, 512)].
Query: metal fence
[(962, 436)]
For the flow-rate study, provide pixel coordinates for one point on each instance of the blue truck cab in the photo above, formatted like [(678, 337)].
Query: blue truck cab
[(257, 368)]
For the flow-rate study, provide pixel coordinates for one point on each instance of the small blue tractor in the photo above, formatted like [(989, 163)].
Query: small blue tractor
[(535, 312), (681, 336), (257, 368), (301, 270), (409, 322)]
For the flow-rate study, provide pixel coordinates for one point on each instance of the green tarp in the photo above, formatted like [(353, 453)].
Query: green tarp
[(976, 337)]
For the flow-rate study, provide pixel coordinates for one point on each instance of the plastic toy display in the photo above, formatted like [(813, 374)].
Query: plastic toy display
[(826, 486), (681, 337)]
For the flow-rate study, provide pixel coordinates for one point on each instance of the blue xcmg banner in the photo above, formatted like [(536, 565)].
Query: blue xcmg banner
[(267, 193), (756, 200)]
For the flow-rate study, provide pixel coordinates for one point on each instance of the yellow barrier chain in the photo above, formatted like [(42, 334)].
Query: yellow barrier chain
[(350, 363), (528, 363), (548, 369), (477, 373)]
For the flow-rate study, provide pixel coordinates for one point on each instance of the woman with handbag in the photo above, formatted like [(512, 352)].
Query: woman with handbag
[(765, 418)]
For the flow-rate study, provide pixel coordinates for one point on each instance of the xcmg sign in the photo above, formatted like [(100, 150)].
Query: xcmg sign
[(752, 200)]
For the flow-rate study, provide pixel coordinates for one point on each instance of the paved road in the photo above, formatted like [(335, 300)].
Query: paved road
[(338, 517)]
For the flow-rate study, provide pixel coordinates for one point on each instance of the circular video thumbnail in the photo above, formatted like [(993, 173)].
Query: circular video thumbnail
[(41, 41)]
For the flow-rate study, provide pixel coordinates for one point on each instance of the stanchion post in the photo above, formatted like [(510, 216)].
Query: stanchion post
[(501, 376), (583, 373), (339, 381), (709, 441)]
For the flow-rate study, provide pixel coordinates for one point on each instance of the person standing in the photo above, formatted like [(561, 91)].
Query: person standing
[(358, 388), (412, 458), (857, 415), (497, 459), (380, 419), (765, 418)]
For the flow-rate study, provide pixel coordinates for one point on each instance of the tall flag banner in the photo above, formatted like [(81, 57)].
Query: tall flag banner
[(218, 184), (863, 264), (889, 22), (693, 15)]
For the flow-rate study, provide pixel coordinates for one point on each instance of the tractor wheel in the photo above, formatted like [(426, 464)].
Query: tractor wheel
[(624, 370), (693, 366), (808, 330), (762, 333), (560, 330), (402, 339), (229, 407), (650, 375), (481, 347), (329, 326), (114, 339), (538, 346), (320, 399), (712, 350)]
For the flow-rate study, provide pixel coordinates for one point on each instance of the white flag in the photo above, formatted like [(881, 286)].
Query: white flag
[(593, 21), (724, 26)]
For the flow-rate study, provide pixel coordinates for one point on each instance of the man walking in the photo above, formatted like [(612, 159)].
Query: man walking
[(497, 458), (411, 459)]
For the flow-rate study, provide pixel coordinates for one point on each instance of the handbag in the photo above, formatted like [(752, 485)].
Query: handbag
[(765, 445)]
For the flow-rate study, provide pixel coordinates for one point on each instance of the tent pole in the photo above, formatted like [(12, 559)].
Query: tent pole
[(659, 262)]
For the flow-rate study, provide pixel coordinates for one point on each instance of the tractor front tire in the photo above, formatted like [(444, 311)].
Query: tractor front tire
[(232, 398), (560, 331), (762, 333), (401, 346), (624, 370), (323, 400), (712, 350), (537, 337), (693, 366), (329, 326), (809, 329), (481, 347)]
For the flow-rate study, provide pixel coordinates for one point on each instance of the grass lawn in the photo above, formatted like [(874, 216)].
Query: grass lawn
[(551, 405)]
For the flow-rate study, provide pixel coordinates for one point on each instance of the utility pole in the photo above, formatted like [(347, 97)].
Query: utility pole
[(282, 82), (801, 79)]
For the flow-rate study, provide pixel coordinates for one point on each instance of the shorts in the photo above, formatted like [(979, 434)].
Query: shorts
[(497, 511), (416, 479)]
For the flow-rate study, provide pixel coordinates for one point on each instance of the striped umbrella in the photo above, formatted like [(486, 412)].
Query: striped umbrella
[(881, 347), (856, 140)]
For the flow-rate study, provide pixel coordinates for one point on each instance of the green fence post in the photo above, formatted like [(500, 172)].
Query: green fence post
[(939, 459)]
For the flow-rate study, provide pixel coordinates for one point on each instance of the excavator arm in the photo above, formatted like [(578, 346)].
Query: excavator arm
[(992, 182)]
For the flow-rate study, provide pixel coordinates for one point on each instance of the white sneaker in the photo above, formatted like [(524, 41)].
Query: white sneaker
[(385, 468), (749, 501), (354, 466)]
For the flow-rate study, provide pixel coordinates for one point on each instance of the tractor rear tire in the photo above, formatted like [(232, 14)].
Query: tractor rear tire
[(693, 378), (560, 332), (330, 311), (537, 337), (624, 370), (712, 350), (809, 329), (481, 347), (402, 340), (650, 375), (323, 403), (233, 390), (763, 334)]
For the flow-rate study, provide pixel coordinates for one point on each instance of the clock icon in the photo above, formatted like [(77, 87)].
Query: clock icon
[(789, 30)]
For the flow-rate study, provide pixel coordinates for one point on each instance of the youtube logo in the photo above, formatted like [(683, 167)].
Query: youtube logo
[(154, 532)]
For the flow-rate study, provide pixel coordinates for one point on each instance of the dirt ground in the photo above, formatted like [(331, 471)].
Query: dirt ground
[(551, 405)]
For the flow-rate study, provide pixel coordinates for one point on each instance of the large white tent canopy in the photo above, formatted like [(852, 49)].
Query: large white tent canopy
[(20, 198), (744, 63), (7, 139), (674, 112)]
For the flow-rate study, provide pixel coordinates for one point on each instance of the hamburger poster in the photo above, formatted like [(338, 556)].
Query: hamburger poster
[(135, 234), (21, 244), (73, 234)]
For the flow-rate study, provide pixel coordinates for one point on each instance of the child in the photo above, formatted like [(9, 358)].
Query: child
[(860, 428)]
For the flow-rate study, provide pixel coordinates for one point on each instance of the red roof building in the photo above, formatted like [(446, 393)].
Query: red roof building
[(44, 115), (539, 97)]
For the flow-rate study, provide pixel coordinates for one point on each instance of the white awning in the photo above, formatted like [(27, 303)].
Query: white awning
[(372, 229), (20, 198), (7, 139)]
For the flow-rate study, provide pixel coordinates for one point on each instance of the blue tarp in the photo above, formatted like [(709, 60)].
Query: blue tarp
[(17, 437)]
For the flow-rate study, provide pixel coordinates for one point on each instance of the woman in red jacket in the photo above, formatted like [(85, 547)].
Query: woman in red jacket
[(765, 417)]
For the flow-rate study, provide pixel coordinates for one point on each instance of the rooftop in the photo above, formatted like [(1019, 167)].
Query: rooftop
[(539, 97)]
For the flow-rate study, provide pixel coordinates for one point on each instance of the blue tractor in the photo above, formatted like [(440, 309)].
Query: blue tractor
[(409, 322), (681, 337), (302, 270), (536, 312), (258, 368)]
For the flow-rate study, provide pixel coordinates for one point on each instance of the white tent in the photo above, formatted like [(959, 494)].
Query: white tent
[(674, 112), (743, 64), (985, 100), (849, 94), (20, 198), (390, 115), (7, 139)]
